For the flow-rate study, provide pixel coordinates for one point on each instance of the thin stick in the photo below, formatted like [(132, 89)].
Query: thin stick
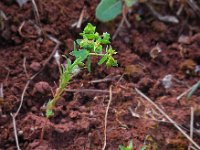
[(194, 6), (6, 79), (88, 90), (1, 90), (36, 12), (105, 79), (1, 97), (26, 87), (164, 114), (24, 66), (191, 126), (80, 20), (57, 59), (15, 131), (184, 93), (171, 19), (106, 117), (20, 29), (22, 98), (124, 19)]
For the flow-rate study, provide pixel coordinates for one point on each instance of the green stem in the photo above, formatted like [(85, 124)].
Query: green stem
[(95, 54)]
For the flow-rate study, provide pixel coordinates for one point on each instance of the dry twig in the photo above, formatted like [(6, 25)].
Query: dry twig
[(26, 87), (36, 12), (80, 20), (184, 93), (167, 18), (89, 90), (124, 20), (106, 118), (191, 126), (1, 97), (105, 79), (167, 117)]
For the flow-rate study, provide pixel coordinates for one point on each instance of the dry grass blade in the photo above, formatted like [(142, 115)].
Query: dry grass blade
[(106, 118), (15, 130), (26, 87), (89, 90), (1, 97), (105, 79), (81, 18), (194, 6), (124, 20), (36, 12), (168, 118), (184, 93), (191, 126), (167, 18)]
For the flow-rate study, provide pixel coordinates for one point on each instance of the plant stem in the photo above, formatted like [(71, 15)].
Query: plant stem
[(95, 54)]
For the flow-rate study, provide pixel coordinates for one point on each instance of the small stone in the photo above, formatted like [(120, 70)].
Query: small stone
[(35, 66), (184, 39), (159, 26), (73, 114), (41, 87), (20, 132), (34, 109)]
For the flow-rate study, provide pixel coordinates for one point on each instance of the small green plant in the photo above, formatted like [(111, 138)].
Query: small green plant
[(109, 9), (129, 147), (92, 44), (194, 88)]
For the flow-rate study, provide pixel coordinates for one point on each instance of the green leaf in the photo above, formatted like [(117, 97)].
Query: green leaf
[(130, 145), (130, 3), (103, 59), (75, 46), (143, 148), (81, 53), (111, 51), (78, 41), (121, 147), (87, 44), (194, 88), (111, 62), (89, 36), (89, 29), (108, 9), (49, 113), (97, 47), (105, 39)]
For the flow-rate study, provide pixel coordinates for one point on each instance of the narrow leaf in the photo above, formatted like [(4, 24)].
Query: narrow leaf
[(103, 59), (194, 88)]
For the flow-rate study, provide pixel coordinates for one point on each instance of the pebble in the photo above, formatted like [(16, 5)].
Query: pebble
[(35, 66)]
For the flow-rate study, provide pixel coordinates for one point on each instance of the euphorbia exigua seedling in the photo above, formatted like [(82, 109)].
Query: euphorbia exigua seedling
[(92, 44)]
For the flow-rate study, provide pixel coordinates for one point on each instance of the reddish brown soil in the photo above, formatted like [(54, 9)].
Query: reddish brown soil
[(79, 116)]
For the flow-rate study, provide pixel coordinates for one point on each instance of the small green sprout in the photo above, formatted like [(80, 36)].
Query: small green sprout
[(193, 89), (92, 44), (129, 147)]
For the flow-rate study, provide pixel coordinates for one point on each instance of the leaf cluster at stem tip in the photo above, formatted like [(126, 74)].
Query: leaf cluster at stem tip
[(92, 44)]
